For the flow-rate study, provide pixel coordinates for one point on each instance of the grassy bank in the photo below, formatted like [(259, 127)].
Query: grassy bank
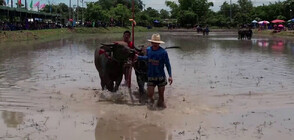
[(30, 35), (51, 34), (270, 33)]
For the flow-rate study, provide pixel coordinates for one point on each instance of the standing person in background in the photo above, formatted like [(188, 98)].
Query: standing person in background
[(128, 64), (157, 58), (126, 37)]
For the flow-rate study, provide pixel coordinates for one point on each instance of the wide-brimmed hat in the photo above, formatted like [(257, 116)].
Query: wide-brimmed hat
[(156, 39)]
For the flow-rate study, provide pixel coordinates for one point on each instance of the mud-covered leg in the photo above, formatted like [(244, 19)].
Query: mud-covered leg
[(110, 85), (117, 83), (141, 84), (102, 82), (161, 102)]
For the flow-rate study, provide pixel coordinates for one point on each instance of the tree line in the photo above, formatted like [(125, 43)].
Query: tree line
[(185, 13)]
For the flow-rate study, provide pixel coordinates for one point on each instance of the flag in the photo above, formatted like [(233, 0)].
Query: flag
[(42, 6), (31, 5), (19, 2), (49, 6), (37, 4), (7, 2)]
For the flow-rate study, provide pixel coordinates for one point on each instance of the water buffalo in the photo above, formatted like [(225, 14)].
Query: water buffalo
[(205, 31), (141, 67), (109, 61), (245, 34)]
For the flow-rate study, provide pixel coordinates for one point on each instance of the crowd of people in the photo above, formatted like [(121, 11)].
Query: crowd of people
[(36, 25)]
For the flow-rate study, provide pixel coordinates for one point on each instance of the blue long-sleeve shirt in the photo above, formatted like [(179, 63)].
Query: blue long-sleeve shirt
[(156, 61)]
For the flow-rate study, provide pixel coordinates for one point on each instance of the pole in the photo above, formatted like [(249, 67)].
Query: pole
[(230, 10), (82, 12), (26, 6), (133, 23), (133, 40), (11, 3), (50, 6), (69, 10), (77, 10)]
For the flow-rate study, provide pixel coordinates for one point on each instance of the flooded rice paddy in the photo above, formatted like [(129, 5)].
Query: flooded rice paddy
[(224, 88)]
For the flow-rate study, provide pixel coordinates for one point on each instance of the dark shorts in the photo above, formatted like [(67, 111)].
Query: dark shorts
[(157, 81)]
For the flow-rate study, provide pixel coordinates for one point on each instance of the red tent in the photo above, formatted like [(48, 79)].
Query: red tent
[(278, 21)]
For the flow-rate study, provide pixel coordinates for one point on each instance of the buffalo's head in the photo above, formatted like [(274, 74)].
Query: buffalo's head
[(119, 50)]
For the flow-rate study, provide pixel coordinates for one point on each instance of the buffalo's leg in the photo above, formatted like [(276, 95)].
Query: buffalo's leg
[(102, 82), (117, 83), (141, 84), (109, 85)]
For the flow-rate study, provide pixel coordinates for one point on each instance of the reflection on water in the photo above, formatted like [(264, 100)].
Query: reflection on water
[(119, 128), (12, 119), (224, 65), (277, 45)]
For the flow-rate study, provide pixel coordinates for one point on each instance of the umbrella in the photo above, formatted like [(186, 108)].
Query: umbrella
[(281, 26), (278, 21), (292, 19), (70, 20), (156, 21), (254, 21), (263, 22)]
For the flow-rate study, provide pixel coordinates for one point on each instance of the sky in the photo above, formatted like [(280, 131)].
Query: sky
[(160, 4), (156, 4)]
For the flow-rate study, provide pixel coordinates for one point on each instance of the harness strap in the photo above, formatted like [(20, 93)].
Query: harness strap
[(109, 57), (102, 51)]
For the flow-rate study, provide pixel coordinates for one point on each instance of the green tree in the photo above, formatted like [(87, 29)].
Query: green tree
[(142, 19), (281, 17), (175, 9), (289, 8), (187, 18), (152, 12), (95, 12), (244, 15), (61, 9), (190, 11), (108, 4), (80, 12), (226, 8), (120, 13), (245, 6), (164, 14)]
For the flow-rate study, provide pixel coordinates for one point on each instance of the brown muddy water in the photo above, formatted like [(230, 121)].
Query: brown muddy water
[(223, 88)]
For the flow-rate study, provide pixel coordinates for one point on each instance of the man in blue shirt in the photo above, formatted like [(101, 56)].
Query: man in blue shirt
[(157, 58)]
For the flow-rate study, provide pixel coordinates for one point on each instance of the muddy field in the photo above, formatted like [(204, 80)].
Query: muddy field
[(224, 89)]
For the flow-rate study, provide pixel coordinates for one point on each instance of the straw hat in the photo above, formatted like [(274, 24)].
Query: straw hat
[(156, 39)]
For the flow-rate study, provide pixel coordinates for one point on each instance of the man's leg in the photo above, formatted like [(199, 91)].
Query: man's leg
[(151, 93), (126, 74), (161, 97)]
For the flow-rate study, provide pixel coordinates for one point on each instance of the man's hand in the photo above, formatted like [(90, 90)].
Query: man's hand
[(170, 80), (136, 56), (132, 20)]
